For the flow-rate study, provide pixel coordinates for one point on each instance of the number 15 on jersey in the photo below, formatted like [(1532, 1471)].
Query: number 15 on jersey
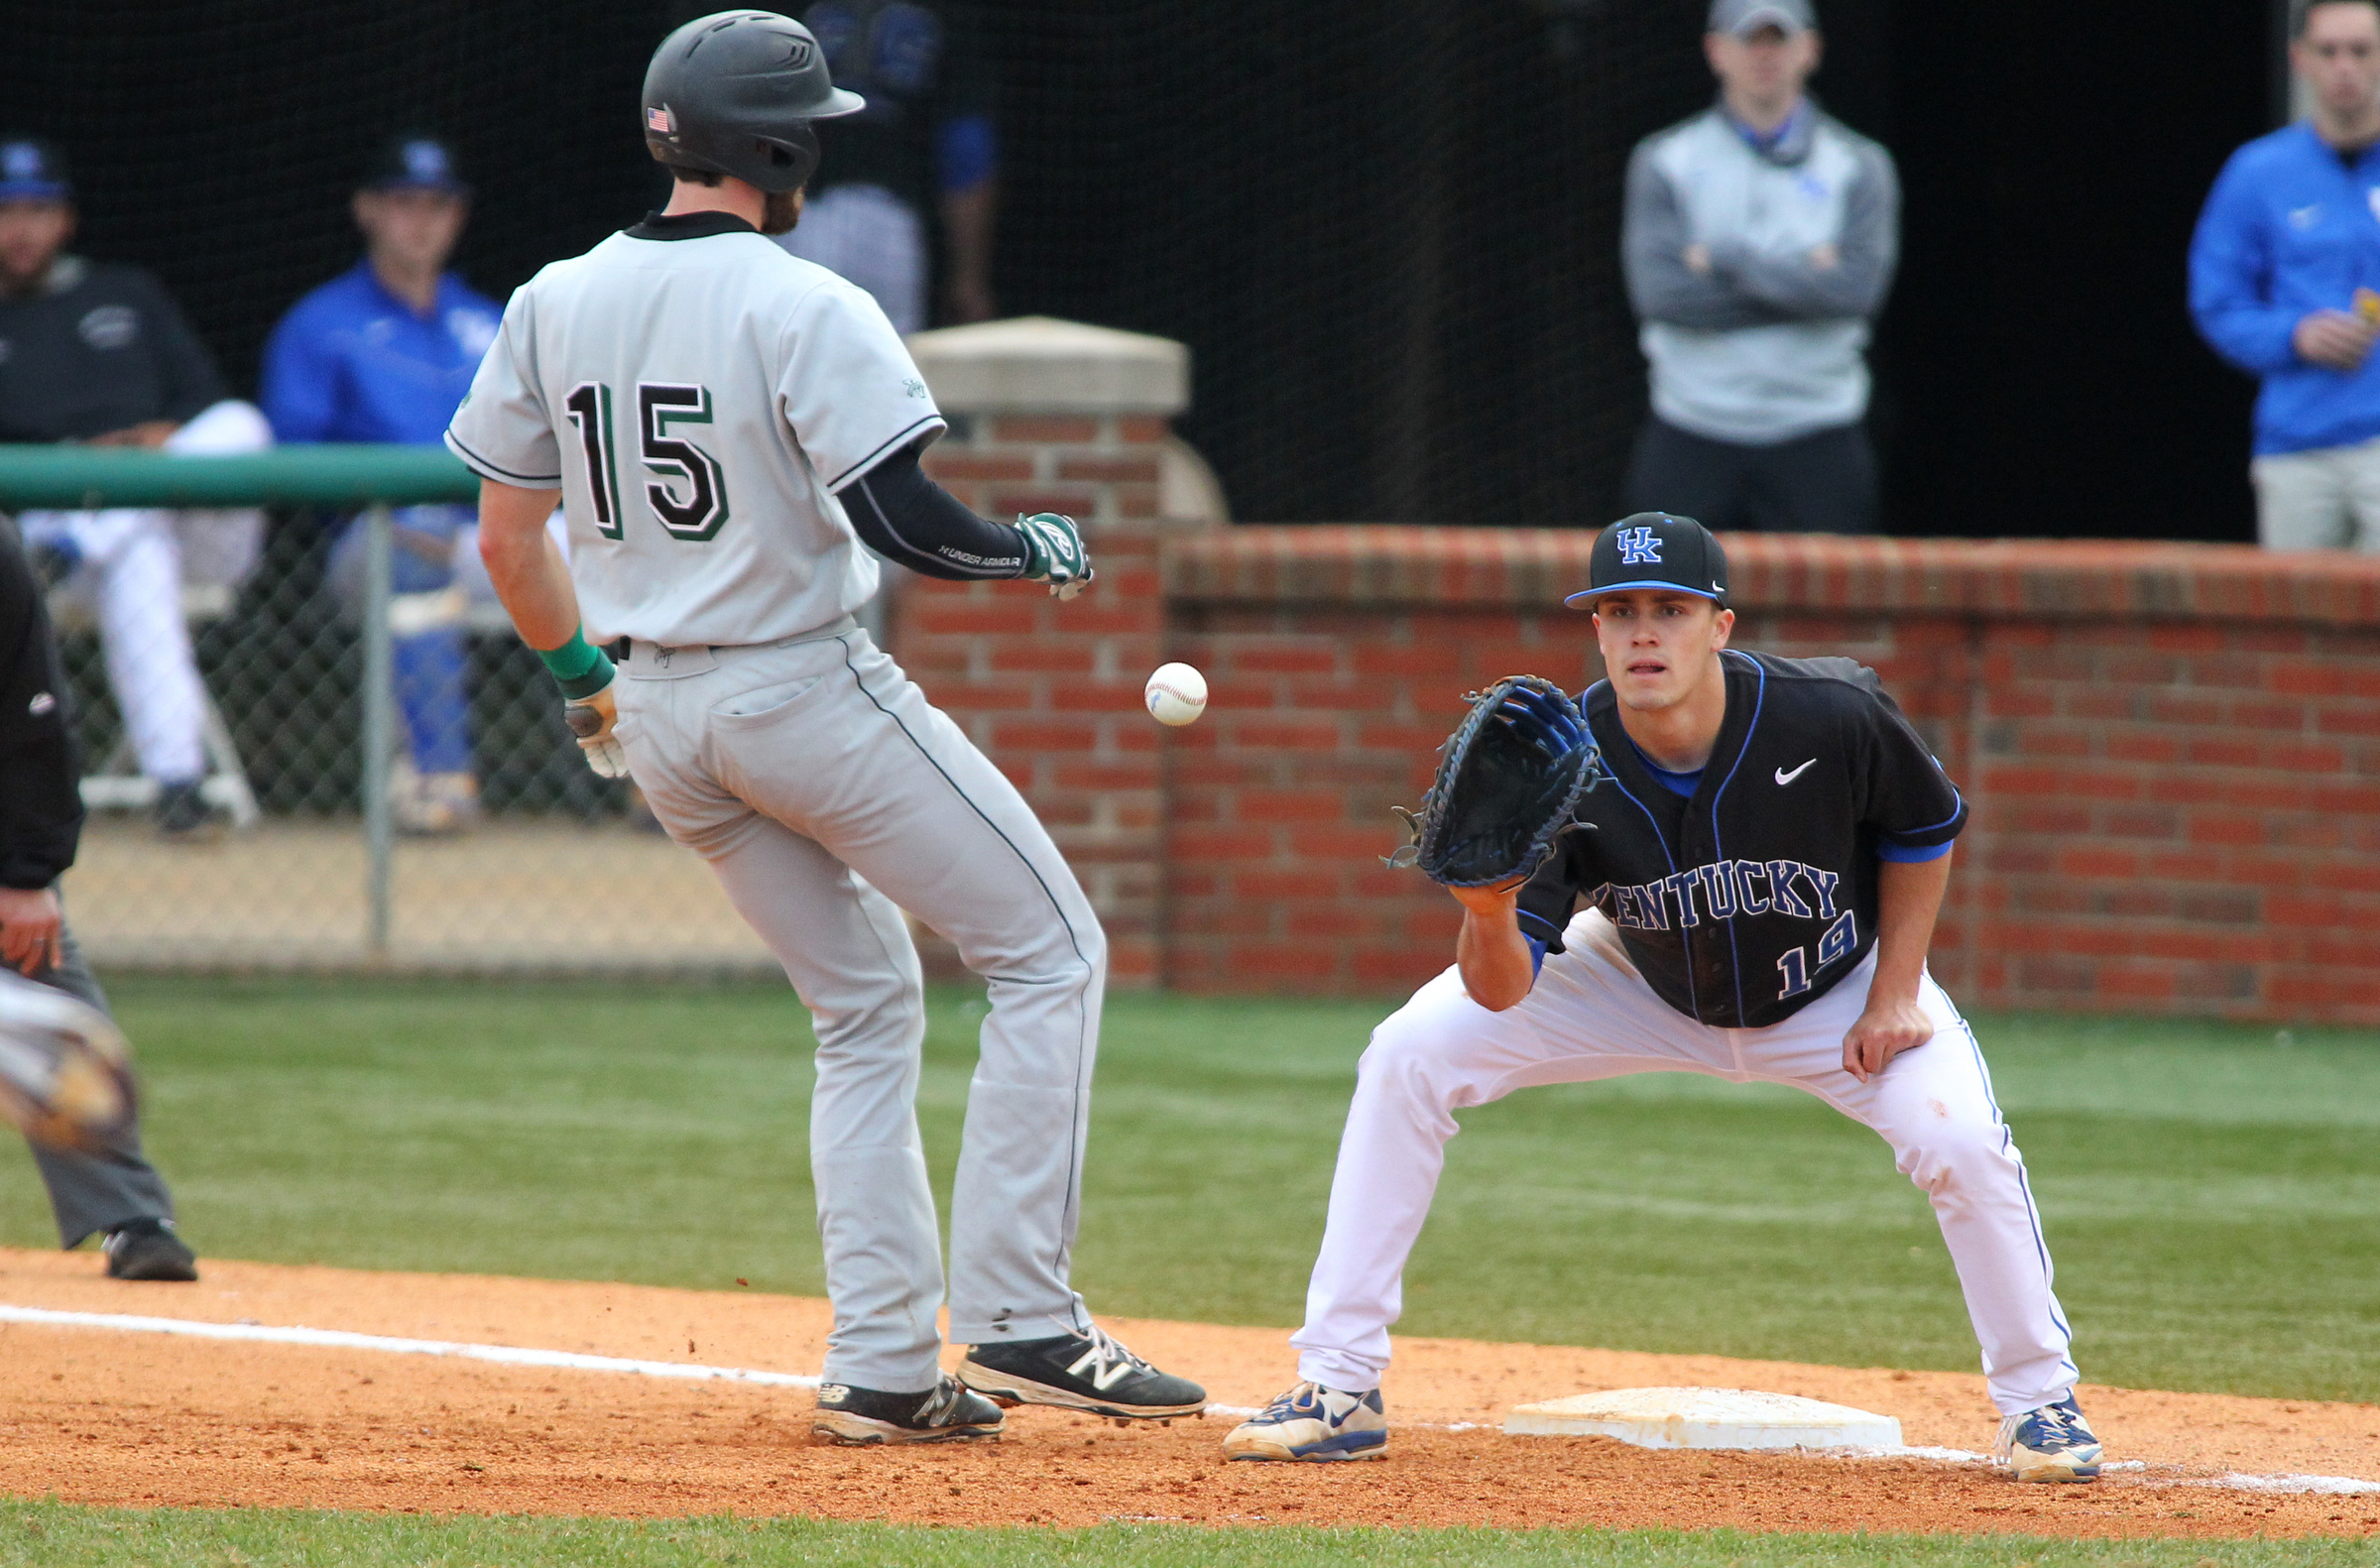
[(700, 511)]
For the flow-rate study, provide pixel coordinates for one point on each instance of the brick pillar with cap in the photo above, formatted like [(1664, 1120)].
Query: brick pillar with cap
[(1050, 415)]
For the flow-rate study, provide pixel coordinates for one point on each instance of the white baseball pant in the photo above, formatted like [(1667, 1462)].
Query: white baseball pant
[(131, 577), (811, 775), (1591, 1017), (2324, 499)]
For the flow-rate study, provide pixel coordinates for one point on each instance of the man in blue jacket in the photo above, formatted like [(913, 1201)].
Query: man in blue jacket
[(384, 352), (2285, 283)]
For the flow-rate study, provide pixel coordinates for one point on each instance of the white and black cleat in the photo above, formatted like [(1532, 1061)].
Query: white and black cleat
[(2052, 1444), (945, 1414), (1080, 1372), (1311, 1422)]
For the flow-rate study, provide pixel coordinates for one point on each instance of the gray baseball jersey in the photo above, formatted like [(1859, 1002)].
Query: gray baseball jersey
[(698, 396)]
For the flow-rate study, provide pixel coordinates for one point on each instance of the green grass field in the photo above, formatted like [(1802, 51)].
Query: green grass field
[(63, 1537), (2212, 1194)]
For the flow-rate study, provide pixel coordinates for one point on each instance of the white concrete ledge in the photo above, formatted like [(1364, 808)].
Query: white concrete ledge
[(1038, 364)]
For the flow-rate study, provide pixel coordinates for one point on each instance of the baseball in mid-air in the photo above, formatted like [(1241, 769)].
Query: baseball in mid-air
[(1176, 693)]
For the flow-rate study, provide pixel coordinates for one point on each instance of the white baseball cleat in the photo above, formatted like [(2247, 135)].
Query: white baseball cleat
[(1312, 1422)]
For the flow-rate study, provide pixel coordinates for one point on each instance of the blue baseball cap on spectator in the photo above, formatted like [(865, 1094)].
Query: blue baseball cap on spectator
[(31, 170), (415, 162)]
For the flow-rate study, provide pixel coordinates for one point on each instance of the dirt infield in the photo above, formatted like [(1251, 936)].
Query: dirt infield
[(94, 1416)]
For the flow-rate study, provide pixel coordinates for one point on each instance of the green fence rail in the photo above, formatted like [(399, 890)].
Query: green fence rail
[(87, 477), (374, 477)]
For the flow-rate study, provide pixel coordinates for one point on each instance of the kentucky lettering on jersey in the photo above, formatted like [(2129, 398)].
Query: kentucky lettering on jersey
[(1744, 903), (1721, 892)]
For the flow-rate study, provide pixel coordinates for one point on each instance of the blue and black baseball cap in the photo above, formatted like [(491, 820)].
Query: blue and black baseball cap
[(415, 162), (32, 170), (1655, 549)]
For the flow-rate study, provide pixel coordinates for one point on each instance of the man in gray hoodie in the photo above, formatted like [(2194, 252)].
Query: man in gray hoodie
[(1759, 242)]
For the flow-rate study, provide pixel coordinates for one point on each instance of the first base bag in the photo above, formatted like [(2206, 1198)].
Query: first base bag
[(1508, 783), (65, 1069)]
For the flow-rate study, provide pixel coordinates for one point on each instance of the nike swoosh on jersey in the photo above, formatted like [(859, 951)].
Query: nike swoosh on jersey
[(1785, 777)]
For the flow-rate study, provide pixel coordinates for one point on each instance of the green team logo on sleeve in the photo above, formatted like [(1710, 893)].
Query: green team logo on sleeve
[(697, 514)]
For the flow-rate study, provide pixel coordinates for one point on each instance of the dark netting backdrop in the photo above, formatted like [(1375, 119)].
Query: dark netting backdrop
[(1387, 230)]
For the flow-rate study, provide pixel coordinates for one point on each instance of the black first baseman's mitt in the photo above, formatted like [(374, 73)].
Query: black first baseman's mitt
[(1509, 781), (65, 1071)]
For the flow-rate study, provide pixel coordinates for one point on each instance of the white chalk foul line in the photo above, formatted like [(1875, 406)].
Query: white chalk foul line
[(341, 1339), (686, 1371), (2329, 1484)]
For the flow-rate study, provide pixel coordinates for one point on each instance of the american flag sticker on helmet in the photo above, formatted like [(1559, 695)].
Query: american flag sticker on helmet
[(661, 120)]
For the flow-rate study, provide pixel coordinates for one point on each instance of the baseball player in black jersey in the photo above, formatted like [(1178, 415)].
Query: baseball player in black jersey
[(1748, 893)]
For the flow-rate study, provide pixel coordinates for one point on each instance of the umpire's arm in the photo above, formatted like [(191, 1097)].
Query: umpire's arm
[(1908, 897)]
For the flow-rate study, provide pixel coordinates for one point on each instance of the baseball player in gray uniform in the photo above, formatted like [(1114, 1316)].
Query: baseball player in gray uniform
[(733, 431)]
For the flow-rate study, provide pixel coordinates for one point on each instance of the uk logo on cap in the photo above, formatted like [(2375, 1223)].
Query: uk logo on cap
[(1638, 546)]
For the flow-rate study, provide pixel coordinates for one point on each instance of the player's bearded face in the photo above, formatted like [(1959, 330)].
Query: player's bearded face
[(1659, 648), (780, 212)]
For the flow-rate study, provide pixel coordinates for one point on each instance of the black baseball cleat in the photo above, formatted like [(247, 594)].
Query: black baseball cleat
[(943, 1414), (183, 816), (1080, 1372), (149, 1249)]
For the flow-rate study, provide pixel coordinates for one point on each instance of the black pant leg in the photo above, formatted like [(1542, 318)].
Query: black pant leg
[(1687, 475), (1821, 483), (97, 1191)]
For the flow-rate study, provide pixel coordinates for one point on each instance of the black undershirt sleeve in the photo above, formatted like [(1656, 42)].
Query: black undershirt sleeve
[(910, 521)]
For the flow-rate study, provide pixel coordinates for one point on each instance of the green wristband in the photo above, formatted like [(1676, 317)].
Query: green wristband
[(578, 666)]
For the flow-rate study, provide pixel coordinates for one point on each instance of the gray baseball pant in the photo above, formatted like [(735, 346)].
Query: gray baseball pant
[(828, 795), (94, 1192)]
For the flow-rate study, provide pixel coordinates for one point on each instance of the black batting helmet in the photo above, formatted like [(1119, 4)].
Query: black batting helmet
[(734, 93)]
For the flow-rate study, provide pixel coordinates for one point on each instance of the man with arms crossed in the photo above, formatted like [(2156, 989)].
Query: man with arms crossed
[(2285, 283), (1755, 882), (727, 424), (1760, 238)]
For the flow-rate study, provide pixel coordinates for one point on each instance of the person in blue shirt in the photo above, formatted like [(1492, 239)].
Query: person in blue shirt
[(2285, 284), (385, 352)]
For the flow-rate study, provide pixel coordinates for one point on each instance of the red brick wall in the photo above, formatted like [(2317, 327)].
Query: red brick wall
[(2173, 752), (1051, 691)]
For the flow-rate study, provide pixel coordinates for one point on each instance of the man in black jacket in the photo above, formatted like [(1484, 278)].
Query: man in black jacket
[(1750, 893), (96, 353), (116, 1192)]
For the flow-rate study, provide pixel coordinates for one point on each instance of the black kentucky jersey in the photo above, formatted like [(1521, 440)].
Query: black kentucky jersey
[(1744, 904)]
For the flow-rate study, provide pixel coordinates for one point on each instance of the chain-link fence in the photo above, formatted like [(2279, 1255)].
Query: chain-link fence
[(315, 743)]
